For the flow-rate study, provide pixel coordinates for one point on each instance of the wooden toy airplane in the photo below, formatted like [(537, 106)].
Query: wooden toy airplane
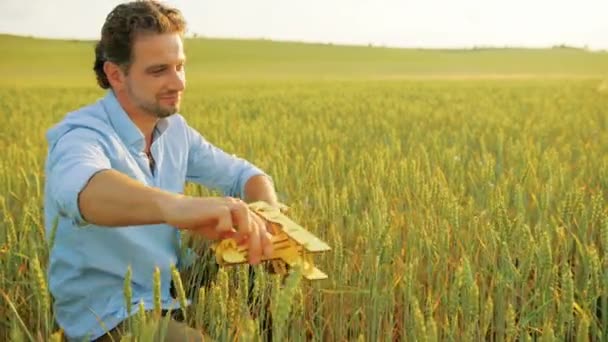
[(292, 244)]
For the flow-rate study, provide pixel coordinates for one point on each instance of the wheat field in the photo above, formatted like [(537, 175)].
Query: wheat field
[(463, 193)]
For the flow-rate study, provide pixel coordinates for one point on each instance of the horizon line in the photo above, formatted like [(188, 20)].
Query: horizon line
[(194, 36)]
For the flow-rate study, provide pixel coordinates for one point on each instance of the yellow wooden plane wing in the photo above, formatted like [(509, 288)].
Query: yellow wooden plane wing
[(302, 236), (292, 245)]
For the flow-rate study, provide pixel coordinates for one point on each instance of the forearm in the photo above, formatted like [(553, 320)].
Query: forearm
[(260, 188), (113, 199)]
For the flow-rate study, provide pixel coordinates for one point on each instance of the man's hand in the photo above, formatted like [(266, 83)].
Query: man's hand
[(216, 218)]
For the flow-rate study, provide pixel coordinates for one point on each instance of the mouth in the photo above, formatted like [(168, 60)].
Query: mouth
[(171, 99)]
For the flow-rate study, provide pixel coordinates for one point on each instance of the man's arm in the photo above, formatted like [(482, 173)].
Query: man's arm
[(210, 166), (260, 188), (86, 189), (114, 199)]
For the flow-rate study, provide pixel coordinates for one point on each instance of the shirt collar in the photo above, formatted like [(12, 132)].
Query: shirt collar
[(128, 132)]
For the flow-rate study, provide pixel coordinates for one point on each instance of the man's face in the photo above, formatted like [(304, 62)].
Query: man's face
[(156, 78)]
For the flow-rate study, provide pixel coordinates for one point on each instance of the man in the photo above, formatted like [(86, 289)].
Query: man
[(115, 175)]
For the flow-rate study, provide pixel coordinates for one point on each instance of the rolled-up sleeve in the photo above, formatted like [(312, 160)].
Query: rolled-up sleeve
[(212, 167), (73, 160)]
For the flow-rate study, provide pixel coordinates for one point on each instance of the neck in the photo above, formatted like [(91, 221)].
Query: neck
[(143, 120)]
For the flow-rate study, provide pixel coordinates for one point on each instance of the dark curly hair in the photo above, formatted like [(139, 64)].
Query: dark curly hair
[(122, 25)]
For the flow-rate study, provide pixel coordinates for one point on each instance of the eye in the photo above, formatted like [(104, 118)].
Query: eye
[(157, 71)]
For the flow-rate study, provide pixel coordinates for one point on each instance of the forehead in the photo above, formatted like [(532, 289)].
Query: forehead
[(150, 49)]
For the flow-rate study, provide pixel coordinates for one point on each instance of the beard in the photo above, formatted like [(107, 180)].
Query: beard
[(154, 108)]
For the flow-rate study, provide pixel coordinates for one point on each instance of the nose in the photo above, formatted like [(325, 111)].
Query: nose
[(178, 80)]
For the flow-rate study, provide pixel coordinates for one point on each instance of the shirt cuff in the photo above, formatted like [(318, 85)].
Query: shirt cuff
[(72, 185)]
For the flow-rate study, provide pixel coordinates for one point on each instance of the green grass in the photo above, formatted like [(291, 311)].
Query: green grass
[(69, 63), (463, 192)]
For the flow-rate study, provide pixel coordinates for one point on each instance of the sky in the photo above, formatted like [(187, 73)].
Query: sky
[(397, 23)]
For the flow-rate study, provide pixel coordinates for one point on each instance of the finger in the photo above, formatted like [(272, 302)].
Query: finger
[(227, 234), (243, 239), (224, 222), (240, 216), (254, 243), (267, 244), (265, 236)]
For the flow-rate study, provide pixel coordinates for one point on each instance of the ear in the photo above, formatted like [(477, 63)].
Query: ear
[(114, 74)]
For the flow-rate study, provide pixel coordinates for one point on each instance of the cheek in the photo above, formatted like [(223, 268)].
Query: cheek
[(156, 85), (148, 87)]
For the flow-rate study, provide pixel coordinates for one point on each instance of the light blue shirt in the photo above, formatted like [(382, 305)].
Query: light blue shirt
[(88, 263)]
